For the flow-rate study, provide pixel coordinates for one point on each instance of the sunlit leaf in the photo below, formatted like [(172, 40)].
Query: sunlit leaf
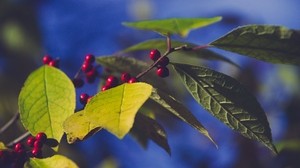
[(2, 145), (179, 110), (78, 127), (51, 162), (273, 44), (148, 128), (45, 101), (115, 109), (161, 45), (180, 26), (226, 99)]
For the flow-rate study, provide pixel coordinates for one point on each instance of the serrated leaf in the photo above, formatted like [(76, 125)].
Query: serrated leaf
[(132, 66), (161, 45), (179, 110), (179, 26), (115, 109), (226, 99), (45, 101), (273, 44), (51, 162), (78, 127), (148, 128)]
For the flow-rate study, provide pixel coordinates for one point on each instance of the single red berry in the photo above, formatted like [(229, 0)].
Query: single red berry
[(86, 67), (18, 147), (36, 152), (47, 59), (78, 82), (132, 80), (125, 77), (83, 98), (30, 141), (41, 137), (112, 81), (154, 54), (38, 144), (164, 61), (54, 63), (162, 72), (105, 87), (89, 58)]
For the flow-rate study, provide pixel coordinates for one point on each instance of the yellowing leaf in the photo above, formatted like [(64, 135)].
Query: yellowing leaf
[(78, 127), (51, 162), (2, 146), (115, 109), (45, 101), (180, 26)]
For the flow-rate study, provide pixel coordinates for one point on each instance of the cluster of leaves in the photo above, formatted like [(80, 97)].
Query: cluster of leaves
[(47, 101)]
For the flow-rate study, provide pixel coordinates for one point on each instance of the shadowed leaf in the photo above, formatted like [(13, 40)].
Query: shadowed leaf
[(273, 44), (179, 26), (226, 99)]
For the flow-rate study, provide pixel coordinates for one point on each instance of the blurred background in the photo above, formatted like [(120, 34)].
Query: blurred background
[(67, 29)]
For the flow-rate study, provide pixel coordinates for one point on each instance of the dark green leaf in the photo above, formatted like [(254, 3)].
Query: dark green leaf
[(180, 26), (273, 44), (226, 99), (179, 110), (148, 128), (161, 45)]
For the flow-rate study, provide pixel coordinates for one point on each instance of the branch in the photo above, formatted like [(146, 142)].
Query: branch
[(10, 122), (20, 138)]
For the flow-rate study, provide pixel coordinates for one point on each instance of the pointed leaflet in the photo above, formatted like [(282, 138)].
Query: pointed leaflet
[(50, 162), (81, 130), (179, 110), (132, 66), (180, 26), (161, 45), (226, 99), (45, 101), (149, 128), (273, 44), (115, 109)]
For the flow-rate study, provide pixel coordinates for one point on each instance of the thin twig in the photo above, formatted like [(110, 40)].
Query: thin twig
[(10, 122), (20, 138)]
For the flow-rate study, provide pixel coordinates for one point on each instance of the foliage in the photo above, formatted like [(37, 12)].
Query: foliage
[(47, 100)]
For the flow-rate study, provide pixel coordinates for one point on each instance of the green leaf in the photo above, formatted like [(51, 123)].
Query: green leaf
[(81, 130), (161, 45), (51, 162), (2, 146), (45, 101), (291, 144), (115, 109), (132, 66), (179, 110), (226, 99), (147, 128), (273, 44), (180, 26)]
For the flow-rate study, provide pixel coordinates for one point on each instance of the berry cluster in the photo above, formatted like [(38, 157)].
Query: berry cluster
[(112, 81), (17, 156), (162, 70), (48, 60), (88, 69)]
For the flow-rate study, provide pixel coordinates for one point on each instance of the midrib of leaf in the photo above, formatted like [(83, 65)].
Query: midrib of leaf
[(47, 100), (176, 24), (121, 107), (227, 111)]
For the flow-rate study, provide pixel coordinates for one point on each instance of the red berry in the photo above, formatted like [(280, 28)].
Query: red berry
[(78, 82), (105, 87), (112, 81), (54, 63), (47, 59), (19, 147), (162, 72), (38, 144), (30, 141), (125, 77), (41, 137), (89, 58), (132, 80), (154, 54), (83, 98), (91, 75), (36, 152), (164, 61), (86, 67)]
